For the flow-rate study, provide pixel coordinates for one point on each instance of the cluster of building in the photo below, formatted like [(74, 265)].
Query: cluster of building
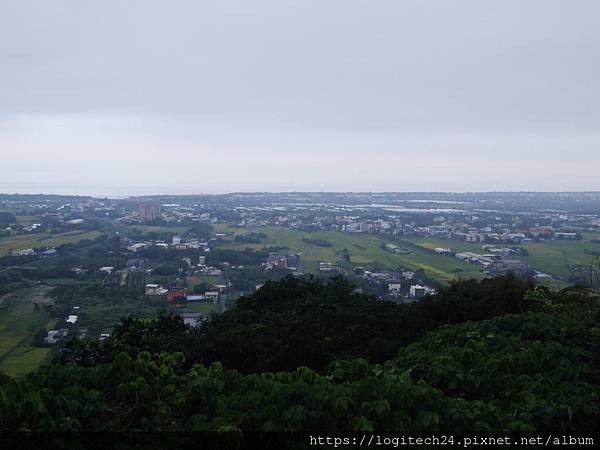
[(475, 226), (495, 263), (58, 335), (393, 248), (283, 262), (177, 242), (465, 233), (179, 295)]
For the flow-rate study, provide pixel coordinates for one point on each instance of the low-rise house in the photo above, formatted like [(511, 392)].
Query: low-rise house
[(21, 252), (394, 286), (154, 289), (193, 319), (176, 294), (55, 336), (567, 236), (137, 247), (417, 291), (502, 266), (212, 296), (328, 267)]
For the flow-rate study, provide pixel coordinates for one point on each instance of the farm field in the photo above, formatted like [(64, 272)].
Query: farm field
[(554, 257), (25, 219), (19, 321), (39, 240), (363, 249), (193, 280), (587, 235)]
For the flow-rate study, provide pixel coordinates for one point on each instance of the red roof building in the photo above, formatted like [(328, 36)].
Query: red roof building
[(176, 293)]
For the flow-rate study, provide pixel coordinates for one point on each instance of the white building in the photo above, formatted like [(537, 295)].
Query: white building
[(21, 252), (394, 286), (417, 291), (212, 295), (155, 289)]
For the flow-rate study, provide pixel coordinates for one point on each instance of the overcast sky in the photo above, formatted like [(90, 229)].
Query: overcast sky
[(131, 97)]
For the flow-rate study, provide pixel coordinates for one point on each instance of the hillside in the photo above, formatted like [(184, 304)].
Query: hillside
[(491, 356)]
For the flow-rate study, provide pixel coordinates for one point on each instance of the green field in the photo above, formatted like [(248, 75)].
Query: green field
[(556, 257), (553, 257), (364, 249), (431, 243), (39, 240), (587, 235), (19, 321), (25, 219), (194, 280)]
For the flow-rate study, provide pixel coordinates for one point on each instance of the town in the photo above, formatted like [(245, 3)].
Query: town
[(196, 255)]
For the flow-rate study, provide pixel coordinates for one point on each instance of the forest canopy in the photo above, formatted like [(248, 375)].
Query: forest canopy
[(489, 356)]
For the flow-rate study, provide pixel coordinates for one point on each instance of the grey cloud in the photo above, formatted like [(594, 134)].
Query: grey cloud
[(380, 77)]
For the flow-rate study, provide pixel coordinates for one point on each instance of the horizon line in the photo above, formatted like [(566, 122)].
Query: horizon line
[(126, 196)]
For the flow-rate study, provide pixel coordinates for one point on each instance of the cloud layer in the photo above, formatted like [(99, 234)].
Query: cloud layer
[(215, 96)]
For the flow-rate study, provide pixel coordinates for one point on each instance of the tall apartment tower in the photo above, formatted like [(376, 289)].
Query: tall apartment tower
[(149, 212)]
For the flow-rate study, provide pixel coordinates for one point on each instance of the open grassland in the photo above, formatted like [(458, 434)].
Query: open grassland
[(194, 280), (431, 243), (39, 240), (19, 321), (364, 249), (24, 359), (18, 209), (554, 257), (25, 219), (587, 235)]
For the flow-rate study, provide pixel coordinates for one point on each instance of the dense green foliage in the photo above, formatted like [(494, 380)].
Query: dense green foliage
[(318, 242), (294, 323), (250, 238), (7, 218), (489, 357)]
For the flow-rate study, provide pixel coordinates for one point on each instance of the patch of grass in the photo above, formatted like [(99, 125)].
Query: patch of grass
[(556, 257), (25, 219), (39, 240), (553, 257), (363, 249), (194, 280), (19, 322), (23, 360)]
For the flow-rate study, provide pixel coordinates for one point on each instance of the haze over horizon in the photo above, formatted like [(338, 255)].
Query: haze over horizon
[(148, 97)]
